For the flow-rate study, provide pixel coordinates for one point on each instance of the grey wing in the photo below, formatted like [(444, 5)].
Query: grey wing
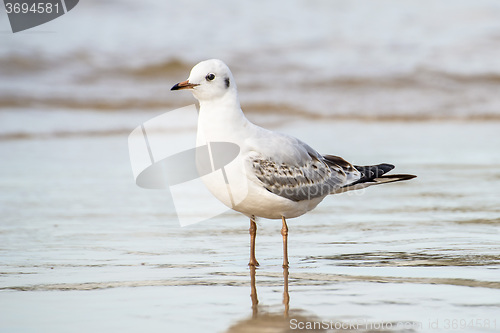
[(305, 178)]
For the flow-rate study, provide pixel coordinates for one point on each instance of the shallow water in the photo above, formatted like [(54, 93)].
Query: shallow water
[(82, 247)]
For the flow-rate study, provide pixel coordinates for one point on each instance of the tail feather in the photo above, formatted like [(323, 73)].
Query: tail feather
[(374, 175), (370, 172)]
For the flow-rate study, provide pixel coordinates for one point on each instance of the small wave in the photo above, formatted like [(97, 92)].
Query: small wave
[(491, 78), (125, 284), (63, 134), (420, 77), (26, 124), (97, 104), (14, 64), (387, 116), (152, 71), (161, 70), (304, 279), (404, 259), (19, 64)]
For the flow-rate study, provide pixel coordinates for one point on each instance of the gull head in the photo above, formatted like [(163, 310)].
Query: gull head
[(209, 80)]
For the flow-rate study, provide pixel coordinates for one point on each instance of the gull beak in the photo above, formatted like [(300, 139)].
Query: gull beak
[(184, 85)]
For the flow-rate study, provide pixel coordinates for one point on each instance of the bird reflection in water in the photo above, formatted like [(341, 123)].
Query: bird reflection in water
[(255, 300), (265, 319)]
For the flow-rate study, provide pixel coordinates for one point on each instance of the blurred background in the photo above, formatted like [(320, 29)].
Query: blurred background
[(335, 59), (414, 83)]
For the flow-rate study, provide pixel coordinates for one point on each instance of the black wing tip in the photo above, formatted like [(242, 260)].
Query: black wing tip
[(369, 172), (385, 167), (377, 174)]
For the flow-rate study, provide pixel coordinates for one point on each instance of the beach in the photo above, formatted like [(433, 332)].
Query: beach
[(83, 247), (415, 84)]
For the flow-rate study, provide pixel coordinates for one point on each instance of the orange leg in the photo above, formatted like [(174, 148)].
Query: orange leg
[(284, 233), (253, 234)]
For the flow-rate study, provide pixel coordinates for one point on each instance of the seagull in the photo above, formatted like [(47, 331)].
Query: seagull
[(281, 176)]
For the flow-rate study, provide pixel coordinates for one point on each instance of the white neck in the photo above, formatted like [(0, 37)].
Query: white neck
[(222, 119)]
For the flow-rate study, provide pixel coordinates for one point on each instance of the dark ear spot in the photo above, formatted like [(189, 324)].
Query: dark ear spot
[(228, 82)]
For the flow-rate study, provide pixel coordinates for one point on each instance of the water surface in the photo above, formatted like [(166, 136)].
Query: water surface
[(83, 247)]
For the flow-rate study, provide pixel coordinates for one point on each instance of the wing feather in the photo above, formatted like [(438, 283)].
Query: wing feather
[(302, 179)]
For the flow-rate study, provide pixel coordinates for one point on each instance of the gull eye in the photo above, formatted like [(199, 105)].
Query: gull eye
[(210, 77)]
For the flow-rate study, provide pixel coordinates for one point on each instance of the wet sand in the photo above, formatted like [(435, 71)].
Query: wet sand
[(83, 249)]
